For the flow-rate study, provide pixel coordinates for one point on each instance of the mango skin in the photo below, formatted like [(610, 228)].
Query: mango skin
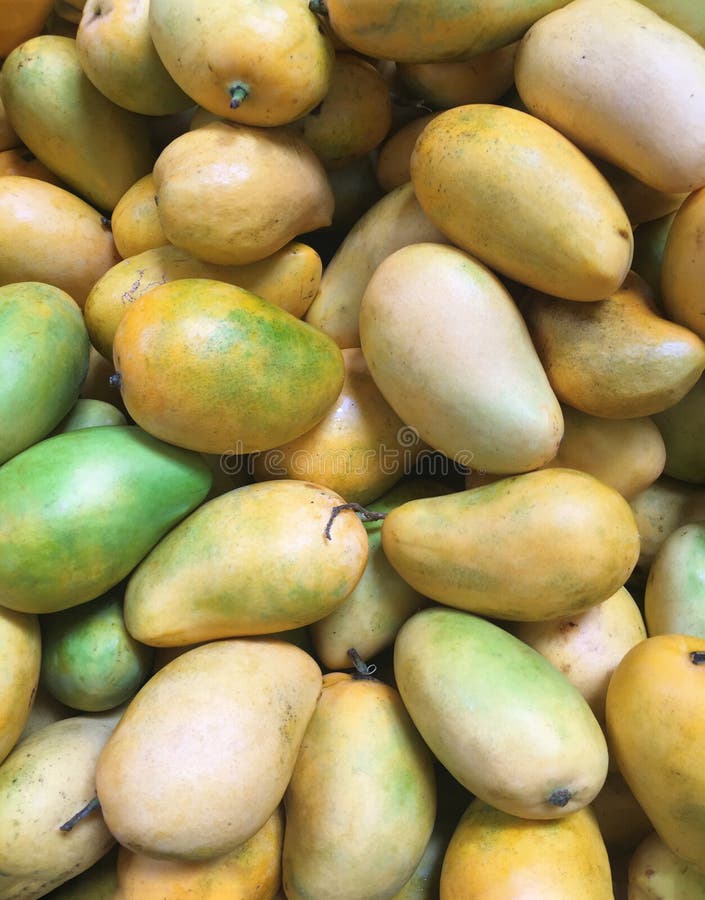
[(456, 549), (360, 742), (675, 587), (655, 728), (504, 721), (682, 268), (494, 856), (78, 511), (20, 647), (682, 427), (484, 175), (252, 561), (87, 413), (43, 360), (215, 368), (655, 872)]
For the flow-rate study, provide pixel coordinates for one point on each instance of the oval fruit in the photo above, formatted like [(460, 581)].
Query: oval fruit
[(459, 386), (504, 721), (212, 367), (674, 597), (135, 220), (87, 413), (20, 647), (682, 268), (655, 872), (485, 175), (682, 427)]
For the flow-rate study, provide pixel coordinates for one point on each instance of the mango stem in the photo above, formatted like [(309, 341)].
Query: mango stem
[(697, 657), (238, 92), (319, 7), (367, 515), (115, 380), (81, 814), (360, 665), (560, 797)]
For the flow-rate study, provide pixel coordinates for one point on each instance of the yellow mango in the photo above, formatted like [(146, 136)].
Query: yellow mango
[(135, 220), (682, 267), (288, 278), (21, 21), (363, 773), (355, 190), (20, 646), (494, 856), (641, 202), (622, 822), (656, 872), (517, 549), (252, 561), (97, 148), (239, 80), (251, 871), (8, 137), (21, 161), (655, 731), (435, 325), (117, 54), (185, 779), (394, 157), (232, 194), (616, 358), (587, 647), (393, 222), (589, 95), (258, 376), (50, 235), (684, 14), (675, 587)]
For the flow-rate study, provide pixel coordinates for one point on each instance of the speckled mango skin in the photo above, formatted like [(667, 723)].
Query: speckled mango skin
[(78, 511)]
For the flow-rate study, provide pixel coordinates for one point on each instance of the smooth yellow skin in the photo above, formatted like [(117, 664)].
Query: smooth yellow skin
[(20, 21), (655, 730), (135, 220), (20, 647), (394, 157), (675, 588), (117, 54), (517, 549), (209, 47), (252, 561), (95, 146), (259, 377), (232, 194), (587, 647), (393, 222), (485, 175), (185, 779), (21, 161), (353, 117), (251, 871), (49, 234), (360, 448), (427, 32), (623, 823), (435, 325), (580, 67), (626, 454), (289, 278), (361, 802), (494, 856), (656, 872), (617, 358), (46, 779), (682, 268), (481, 79)]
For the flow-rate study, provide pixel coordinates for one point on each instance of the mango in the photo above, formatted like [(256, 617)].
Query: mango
[(185, 779), (21, 161), (517, 549), (97, 148), (494, 855), (674, 597), (649, 246), (20, 646), (641, 202), (655, 872), (504, 722), (21, 21), (87, 413), (682, 427), (681, 265), (43, 361), (617, 358), (394, 156), (135, 219), (215, 368), (485, 176), (78, 511), (99, 882), (589, 96), (654, 728), (623, 823), (459, 387), (89, 660), (252, 561), (360, 742)]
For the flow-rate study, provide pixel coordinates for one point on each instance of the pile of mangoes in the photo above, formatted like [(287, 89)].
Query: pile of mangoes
[(352, 449)]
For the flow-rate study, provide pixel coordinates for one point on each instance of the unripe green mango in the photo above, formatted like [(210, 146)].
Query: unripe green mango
[(89, 660), (96, 147), (674, 597), (505, 722), (682, 428), (43, 360), (85, 413), (78, 511)]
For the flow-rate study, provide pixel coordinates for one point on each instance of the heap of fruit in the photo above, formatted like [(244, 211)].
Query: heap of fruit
[(352, 449)]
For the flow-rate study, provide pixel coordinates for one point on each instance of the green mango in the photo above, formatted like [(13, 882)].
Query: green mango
[(649, 241), (89, 661), (507, 724), (44, 353), (97, 148), (79, 510), (86, 413), (682, 428)]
